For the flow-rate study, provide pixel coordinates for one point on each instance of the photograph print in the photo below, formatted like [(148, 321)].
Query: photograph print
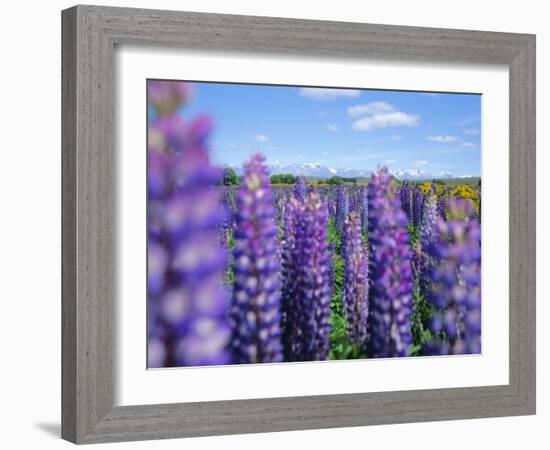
[(298, 224)]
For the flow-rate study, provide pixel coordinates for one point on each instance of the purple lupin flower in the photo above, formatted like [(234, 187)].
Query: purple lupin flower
[(356, 286), (314, 278), (332, 266), (306, 281), (454, 288), (342, 208), (331, 205), (405, 195), (418, 202), (166, 97), (280, 203), (300, 188), (427, 235), (226, 226), (364, 209), (289, 289), (416, 261), (352, 198), (390, 272), (442, 201), (254, 312), (186, 301), (229, 203)]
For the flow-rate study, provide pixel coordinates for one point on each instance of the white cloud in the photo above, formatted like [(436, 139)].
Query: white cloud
[(391, 119), (332, 127), (371, 108), (468, 144), (420, 162), (390, 161), (443, 139), (261, 138), (380, 115), (328, 94)]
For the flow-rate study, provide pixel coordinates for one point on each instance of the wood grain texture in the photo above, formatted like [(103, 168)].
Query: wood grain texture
[(89, 205), (68, 225), (522, 265), (88, 278)]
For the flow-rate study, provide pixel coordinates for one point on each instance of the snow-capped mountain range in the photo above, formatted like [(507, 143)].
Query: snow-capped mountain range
[(320, 171)]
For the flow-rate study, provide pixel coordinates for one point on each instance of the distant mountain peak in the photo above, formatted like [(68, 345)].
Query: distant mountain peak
[(317, 170)]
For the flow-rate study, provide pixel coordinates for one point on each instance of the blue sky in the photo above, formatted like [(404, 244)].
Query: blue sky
[(357, 129)]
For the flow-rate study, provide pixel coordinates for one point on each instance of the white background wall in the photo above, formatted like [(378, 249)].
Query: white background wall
[(30, 208)]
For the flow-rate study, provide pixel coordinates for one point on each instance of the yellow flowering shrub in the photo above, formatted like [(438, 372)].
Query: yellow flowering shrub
[(468, 193), (427, 188)]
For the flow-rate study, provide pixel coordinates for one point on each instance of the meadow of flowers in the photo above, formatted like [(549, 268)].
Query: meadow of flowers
[(259, 273)]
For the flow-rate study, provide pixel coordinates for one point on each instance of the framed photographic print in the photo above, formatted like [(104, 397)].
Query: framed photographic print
[(335, 219)]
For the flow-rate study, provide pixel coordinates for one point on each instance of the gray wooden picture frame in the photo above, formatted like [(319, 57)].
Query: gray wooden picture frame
[(89, 37)]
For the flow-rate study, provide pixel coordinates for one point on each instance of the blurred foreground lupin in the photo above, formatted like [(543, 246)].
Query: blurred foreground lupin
[(187, 301), (454, 282)]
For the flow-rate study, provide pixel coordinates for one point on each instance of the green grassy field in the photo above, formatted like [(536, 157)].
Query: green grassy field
[(471, 181)]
